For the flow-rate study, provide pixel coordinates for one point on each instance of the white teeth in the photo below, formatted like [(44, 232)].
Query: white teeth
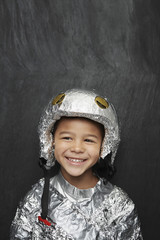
[(75, 160)]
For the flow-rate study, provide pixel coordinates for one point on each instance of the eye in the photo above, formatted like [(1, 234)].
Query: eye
[(67, 138), (89, 140)]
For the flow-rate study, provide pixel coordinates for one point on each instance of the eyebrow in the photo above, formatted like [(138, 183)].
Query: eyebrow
[(91, 135), (65, 132)]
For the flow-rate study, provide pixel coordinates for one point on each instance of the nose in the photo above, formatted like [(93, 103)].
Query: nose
[(77, 147)]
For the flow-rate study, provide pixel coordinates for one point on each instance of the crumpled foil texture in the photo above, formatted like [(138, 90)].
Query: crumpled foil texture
[(103, 212), (78, 103)]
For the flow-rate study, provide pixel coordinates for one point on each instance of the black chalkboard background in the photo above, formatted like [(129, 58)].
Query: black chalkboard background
[(48, 46)]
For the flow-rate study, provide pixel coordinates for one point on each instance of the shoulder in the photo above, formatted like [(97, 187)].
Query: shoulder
[(27, 212), (32, 199), (120, 195), (117, 206), (35, 192), (117, 215), (118, 200)]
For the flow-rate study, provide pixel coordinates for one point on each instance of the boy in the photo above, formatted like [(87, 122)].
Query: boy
[(79, 137)]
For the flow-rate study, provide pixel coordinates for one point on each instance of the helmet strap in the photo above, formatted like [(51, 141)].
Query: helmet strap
[(45, 195)]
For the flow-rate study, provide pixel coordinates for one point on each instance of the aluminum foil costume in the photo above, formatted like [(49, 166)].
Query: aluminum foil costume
[(102, 212)]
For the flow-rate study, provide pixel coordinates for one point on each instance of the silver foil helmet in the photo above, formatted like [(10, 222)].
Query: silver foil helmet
[(79, 103)]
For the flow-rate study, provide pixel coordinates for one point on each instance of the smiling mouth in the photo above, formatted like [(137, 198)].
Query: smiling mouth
[(76, 160)]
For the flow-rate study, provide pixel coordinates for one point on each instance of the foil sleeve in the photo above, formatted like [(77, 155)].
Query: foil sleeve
[(128, 226), (121, 218), (27, 211)]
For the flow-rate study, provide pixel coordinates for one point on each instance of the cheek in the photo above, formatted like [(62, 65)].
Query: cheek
[(96, 150), (56, 150), (58, 155), (95, 154), (59, 149)]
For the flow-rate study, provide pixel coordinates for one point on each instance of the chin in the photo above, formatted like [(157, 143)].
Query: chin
[(73, 173)]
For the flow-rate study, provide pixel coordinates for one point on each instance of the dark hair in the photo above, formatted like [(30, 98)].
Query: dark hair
[(104, 168)]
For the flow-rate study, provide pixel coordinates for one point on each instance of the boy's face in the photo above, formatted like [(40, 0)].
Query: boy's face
[(77, 146)]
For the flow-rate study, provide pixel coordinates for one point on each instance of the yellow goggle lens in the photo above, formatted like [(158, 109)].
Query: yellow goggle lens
[(58, 99), (101, 102)]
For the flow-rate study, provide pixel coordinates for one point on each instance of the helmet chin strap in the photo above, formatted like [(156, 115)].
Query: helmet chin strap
[(45, 195)]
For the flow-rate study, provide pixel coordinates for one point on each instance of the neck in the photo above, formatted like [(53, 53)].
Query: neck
[(84, 181)]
